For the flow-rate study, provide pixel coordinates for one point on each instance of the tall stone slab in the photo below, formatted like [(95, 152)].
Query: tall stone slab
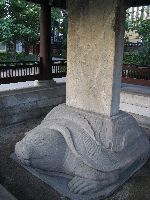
[(95, 50), (88, 148)]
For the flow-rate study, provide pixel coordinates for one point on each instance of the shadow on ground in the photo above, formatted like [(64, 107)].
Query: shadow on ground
[(25, 186)]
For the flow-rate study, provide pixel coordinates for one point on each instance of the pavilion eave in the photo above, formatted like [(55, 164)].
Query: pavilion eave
[(62, 3), (134, 3), (54, 3)]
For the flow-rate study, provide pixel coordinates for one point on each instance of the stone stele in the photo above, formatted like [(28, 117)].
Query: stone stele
[(87, 148), (82, 154)]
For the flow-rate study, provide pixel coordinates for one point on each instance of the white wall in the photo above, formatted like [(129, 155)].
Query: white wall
[(136, 100)]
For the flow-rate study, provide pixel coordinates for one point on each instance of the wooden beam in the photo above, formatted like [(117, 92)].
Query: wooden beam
[(45, 40), (62, 3), (36, 1), (59, 4), (55, 3), (136, 3)]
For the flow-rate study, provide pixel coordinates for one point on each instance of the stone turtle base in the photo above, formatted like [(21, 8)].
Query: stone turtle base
[(60, 182), (24, 186), (99, 152), (5, 195)]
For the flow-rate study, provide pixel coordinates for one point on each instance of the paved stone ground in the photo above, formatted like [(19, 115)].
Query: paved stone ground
[(24, 186)]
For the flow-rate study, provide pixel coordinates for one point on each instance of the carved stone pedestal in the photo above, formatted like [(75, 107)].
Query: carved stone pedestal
[(82, 154)]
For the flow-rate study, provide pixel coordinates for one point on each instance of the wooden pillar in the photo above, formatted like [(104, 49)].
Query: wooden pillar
[(45, 40)]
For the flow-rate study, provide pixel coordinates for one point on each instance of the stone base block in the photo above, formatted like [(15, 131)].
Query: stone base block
[(45, 83), (83, 155)]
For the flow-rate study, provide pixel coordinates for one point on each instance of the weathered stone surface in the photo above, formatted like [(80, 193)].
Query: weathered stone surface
[(82, 154), (95, 50), (5, 195)]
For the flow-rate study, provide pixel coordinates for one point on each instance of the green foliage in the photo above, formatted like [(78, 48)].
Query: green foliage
[(19, 22), (56, 16), (59, 22), (64, 32), (139, 59), (6, 56), (1, 9), (26, 57), (10, 56), (142, 27)]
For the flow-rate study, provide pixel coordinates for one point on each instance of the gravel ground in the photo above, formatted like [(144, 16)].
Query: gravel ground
[(24, 186)]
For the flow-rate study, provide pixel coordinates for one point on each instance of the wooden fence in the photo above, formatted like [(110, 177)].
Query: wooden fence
[(11, 72), (59, 68), (27, 71), (136, 75), (19, 71)]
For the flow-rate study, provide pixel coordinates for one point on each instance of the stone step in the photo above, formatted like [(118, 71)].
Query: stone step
[(5, 195)]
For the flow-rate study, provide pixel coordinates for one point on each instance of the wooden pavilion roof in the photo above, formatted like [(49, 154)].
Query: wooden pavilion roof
[(63, 3)]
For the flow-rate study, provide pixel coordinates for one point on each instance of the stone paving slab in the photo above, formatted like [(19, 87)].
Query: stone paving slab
[(5, 195)]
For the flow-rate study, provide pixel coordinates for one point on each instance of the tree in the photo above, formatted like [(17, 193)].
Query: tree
[(59, 28), (1, 9), (143, 29), (141, 25), (19, 22)]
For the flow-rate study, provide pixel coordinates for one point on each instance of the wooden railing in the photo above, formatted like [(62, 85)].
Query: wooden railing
[(59, 68), (19, 71), (136, 75), (27, 71)]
